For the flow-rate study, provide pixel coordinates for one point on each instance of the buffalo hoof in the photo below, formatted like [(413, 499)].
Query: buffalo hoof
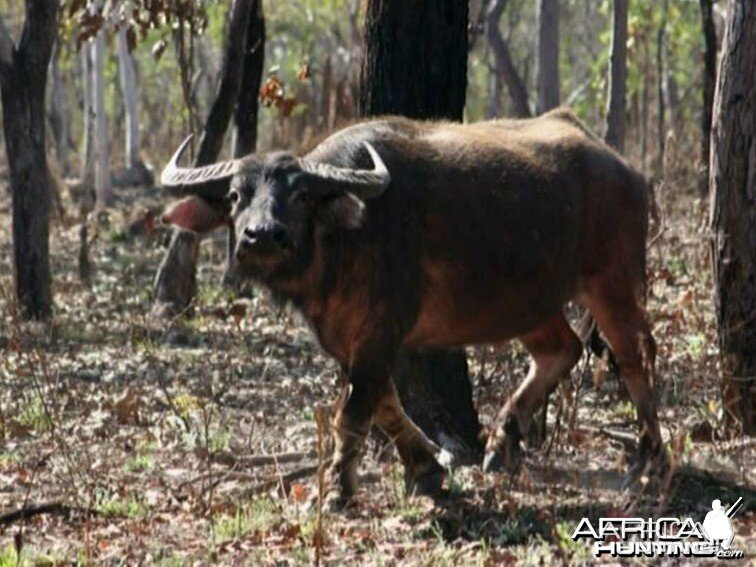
[(650, 469), (336, 503), (426, 484)]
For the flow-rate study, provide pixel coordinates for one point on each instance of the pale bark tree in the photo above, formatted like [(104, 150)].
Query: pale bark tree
[(732, 184), (615, 114), (23, 80), (59, 112), (503, 62), (136, 172), (87, 145), (103, 188), (547, 48)]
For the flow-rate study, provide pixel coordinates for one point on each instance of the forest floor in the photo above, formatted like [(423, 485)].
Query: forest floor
[(196, 441)]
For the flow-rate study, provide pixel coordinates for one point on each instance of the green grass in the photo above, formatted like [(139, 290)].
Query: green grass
[(259, 515), (144, 459), (109, 504), (34, 416), (30, 556), (9, 557)]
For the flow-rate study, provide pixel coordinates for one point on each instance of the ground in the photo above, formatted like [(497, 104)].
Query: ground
[(197, 440)]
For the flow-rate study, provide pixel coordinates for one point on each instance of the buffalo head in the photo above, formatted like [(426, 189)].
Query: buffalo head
[(273, 201)]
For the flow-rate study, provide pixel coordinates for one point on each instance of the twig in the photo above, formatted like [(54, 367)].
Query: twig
[(284, 480), (627, 440), (48, 508), (228, 458), (320, 419), (217, 478)]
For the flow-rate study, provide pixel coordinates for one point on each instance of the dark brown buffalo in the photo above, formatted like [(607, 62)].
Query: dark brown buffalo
[(396, 234)]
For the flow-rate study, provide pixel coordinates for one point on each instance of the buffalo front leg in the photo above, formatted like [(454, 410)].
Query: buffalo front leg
[(351, 424), (369, 383), (555, 349), (422, 473)]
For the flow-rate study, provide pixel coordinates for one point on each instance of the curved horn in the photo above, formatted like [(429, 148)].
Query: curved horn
[(363, 183), (191, 178)]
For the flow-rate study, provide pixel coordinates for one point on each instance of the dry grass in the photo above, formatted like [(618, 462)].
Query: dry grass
[(145, 430)]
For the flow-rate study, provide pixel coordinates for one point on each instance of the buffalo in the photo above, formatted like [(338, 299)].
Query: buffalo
[(398, 234)]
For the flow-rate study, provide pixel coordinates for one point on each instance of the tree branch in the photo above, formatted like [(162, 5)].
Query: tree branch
[(503, 60)]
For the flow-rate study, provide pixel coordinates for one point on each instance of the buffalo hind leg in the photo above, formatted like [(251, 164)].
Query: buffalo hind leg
[(623, 321), (422, 473), (554, 349)]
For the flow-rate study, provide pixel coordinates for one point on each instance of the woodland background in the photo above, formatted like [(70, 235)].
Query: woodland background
[(134, 433)]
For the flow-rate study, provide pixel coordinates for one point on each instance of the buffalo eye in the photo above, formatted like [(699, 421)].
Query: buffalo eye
[(233, 196), (303, 196)]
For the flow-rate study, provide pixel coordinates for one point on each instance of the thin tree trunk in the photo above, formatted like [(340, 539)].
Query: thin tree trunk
[(226, 96), (433, 385), (245, 117), (660, 98), (615, 114), (709, 83), (495, 87), (59, 112), (136, 172), (645, 105), (733, 214), (23, 78), (503, 60), (103, 188), (547, 48), (87, 146), (176, 279)]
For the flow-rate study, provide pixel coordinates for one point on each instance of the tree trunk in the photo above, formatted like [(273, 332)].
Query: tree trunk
[(660, 98), (493, 101), (136, 172), (23, 78), (87, 146), (176, 279), (227, 94), (416, 59), (103, 188), (505, 67), (416, 64), (245, 117), (615, 114), (709, 83), (547, 48), (59, 113), (733, 213)]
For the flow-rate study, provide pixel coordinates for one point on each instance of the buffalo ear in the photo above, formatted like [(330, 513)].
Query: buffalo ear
[(197, 215), (345, 211)]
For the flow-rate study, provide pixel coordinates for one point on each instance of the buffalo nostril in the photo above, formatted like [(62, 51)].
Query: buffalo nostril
[(250, 234)]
